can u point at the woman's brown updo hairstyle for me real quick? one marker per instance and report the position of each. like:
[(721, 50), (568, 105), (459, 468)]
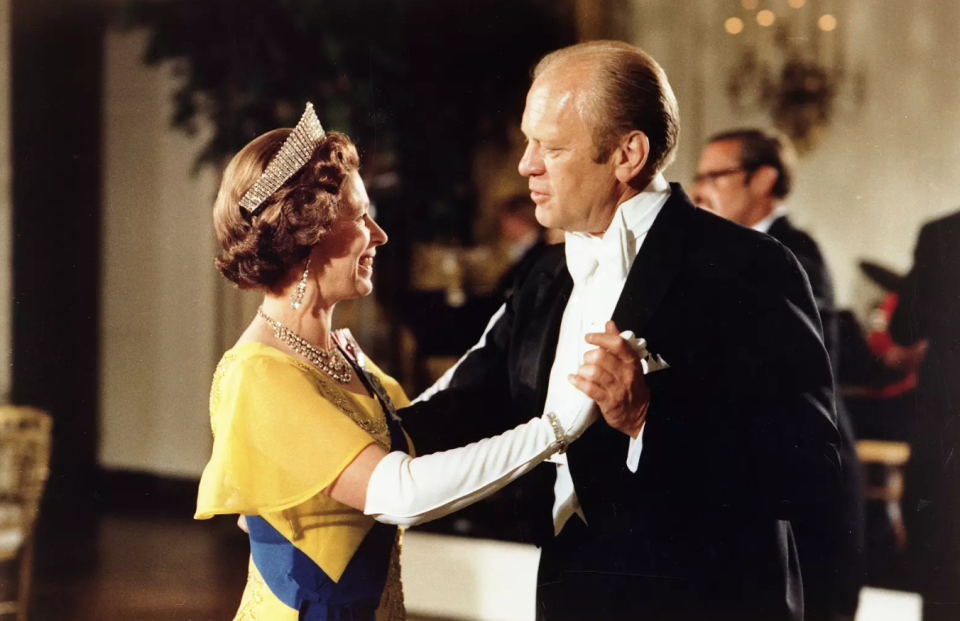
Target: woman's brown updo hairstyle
[(258, 252)]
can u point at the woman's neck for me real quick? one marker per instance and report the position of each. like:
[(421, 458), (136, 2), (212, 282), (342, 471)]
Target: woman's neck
[(310, 322)]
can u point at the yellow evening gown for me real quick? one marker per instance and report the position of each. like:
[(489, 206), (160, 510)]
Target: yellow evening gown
[(283, 431)]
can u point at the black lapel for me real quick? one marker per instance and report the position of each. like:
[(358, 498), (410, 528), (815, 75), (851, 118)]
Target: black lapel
[(543, 298), (656, 265), (602, 449), (542, 328)]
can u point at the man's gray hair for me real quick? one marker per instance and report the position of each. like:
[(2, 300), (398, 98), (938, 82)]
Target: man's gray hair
[(629, 91)]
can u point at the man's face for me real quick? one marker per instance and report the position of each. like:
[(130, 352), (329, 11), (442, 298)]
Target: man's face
[(722, 185), (572, 191)]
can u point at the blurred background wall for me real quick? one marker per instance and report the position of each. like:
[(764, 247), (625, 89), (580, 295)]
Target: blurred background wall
[(158, 300), (887, 162)]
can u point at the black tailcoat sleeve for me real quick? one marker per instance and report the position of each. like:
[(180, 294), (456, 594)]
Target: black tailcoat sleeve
[(477, 402), (502, 381)]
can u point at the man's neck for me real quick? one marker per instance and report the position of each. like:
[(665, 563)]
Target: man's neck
[(763, 224), (628, 191), (761, 210)]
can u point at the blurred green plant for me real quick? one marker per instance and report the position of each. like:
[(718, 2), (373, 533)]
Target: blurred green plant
[(417, 84), (248, 66)]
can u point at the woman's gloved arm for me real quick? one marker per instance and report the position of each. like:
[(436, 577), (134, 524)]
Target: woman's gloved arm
[(398, 489)]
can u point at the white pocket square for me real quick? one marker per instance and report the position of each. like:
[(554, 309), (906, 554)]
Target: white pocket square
[(650, 362), (653, 363)]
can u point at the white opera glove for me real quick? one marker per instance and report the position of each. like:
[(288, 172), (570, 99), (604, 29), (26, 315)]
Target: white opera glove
[(577, 415), (406, 490)]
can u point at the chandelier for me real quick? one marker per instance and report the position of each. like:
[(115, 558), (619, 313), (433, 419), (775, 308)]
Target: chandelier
[(791, 63)]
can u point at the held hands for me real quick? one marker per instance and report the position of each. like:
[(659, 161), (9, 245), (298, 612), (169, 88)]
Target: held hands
[(612, 376)]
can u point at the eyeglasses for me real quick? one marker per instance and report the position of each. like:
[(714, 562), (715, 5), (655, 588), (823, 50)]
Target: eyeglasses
[(712, 176)]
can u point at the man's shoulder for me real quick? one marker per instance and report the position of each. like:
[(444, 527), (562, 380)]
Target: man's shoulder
[(949, 224), (742, 266), (939, 244), (720, 242)]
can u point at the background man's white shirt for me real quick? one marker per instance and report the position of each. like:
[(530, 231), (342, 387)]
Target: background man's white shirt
[(764, 225)]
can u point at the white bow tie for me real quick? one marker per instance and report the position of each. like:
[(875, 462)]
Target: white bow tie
[(586, 253)]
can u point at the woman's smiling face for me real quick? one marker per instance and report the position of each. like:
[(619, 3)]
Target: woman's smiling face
[(344, 257)]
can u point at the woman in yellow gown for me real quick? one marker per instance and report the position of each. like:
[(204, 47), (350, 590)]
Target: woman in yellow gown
[(307, 444)]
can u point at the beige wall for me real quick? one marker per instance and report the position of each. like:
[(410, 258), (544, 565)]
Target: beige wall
[(167, 315), (159, 287), (6, 205), (885, 167)]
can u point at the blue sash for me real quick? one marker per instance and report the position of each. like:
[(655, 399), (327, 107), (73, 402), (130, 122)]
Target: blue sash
[(297, 581)]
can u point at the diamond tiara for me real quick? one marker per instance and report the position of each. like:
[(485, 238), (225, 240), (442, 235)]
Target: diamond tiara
[(296, 151)]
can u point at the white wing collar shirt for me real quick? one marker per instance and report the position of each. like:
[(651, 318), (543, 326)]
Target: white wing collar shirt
[(764, 225), (599, 268)]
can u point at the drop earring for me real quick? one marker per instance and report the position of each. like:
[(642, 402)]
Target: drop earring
[(296, 298)]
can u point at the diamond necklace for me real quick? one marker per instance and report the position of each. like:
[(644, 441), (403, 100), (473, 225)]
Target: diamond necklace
[(330, 362)]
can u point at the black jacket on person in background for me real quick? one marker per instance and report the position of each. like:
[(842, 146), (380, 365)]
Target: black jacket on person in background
[(929, 308)]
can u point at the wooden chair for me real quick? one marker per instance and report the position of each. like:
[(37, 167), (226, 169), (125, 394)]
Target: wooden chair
[(24, 466), (890, 457)]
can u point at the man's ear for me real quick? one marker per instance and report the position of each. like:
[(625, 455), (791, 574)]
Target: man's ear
[(763, 179), (630, 158)]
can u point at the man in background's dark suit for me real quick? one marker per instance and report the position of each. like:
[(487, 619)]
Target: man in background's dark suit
[(929, 308), (744, 175), (733, 425)]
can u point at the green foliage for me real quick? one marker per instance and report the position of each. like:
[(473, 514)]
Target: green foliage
[(416, 83), (248, 66)]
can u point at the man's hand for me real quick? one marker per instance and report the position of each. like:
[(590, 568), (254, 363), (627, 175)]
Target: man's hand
[(612, 376), (242, 523)]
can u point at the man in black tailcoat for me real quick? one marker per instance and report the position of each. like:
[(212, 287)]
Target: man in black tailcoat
[(720, 425)]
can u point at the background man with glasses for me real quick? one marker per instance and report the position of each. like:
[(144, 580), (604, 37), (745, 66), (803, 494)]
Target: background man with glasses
[(744, 176)]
